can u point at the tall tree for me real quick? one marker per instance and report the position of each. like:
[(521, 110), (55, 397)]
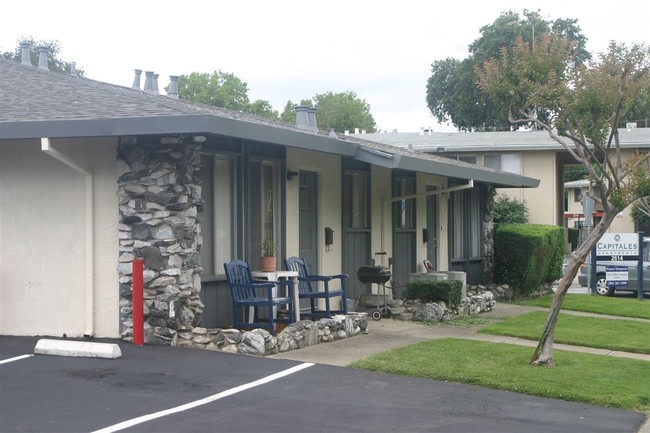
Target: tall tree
[(53, 60), (452, 92), (585, 102), (343, 111), (263, 108), (220, 89)]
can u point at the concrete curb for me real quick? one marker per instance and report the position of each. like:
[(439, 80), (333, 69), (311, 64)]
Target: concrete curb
[(77, 348)]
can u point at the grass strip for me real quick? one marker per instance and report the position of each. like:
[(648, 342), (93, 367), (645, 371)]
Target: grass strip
[(612, 334), (593, 379), (623, 307)]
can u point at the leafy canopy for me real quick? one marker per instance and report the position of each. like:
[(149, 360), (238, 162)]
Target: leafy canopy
[(452, 92)]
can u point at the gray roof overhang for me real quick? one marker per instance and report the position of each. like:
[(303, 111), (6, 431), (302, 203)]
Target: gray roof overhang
[(181, 124), (445, 168)]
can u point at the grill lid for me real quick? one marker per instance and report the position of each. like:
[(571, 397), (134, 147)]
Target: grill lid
[(373, 274)]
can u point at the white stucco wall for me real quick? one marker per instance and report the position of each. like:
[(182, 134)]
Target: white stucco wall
[(42, 239)]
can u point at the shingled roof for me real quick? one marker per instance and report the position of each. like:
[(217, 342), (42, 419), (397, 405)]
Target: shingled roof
[(36, 103)]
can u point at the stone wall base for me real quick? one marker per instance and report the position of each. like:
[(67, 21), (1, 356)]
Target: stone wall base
[(260, 342)]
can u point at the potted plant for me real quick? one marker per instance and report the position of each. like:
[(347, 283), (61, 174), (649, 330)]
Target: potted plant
[(268, 260)]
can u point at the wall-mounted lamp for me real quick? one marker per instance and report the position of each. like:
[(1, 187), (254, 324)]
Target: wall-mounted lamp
[(291, 174)]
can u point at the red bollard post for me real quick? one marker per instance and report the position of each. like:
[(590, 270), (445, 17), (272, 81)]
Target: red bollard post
[(137, 297)]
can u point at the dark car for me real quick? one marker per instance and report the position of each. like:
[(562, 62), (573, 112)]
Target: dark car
[(603, 288)]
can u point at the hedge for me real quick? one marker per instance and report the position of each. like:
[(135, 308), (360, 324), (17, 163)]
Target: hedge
[(528, 256), (447, 291)]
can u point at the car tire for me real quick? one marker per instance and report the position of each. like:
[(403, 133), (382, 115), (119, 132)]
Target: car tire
[(602, 288)]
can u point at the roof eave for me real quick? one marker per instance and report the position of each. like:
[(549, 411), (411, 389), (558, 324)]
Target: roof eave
[(180, 124)]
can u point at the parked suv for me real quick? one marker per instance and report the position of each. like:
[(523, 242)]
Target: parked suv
[(602, 288)]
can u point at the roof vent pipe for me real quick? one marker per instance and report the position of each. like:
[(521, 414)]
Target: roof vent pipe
[(26, 59), (148, 82), (302, 117), (136, 80), (155, 84), (311, 115), (42, 58), (73, 69), (172, 90)]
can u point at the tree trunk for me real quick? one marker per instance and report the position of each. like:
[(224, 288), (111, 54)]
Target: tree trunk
[(543, 354)]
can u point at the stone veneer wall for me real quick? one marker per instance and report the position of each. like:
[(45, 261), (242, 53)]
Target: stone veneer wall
[(488, 235), (159, 194)]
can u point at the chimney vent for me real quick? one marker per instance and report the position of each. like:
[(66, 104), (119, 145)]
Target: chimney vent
[(155, 84), (172, 91), (148, 82), (302, 117), (311, 115), (73, 69), (42, 58), (136, 80), (333, 133), (26, 59)]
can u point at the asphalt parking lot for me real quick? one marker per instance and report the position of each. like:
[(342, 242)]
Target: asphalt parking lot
[(167, 389)]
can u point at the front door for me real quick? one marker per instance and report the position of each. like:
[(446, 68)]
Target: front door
[(356, 217), (404, 235), (431, 237), (308, 219)]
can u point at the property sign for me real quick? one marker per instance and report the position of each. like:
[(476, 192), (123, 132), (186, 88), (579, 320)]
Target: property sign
[(618, 247), (617, 275)]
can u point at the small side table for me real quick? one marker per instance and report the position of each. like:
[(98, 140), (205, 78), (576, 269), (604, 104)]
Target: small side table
[(275, 276)]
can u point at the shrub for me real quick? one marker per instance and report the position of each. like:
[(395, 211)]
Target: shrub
[(528, 255), (447, 291), (509, 211)]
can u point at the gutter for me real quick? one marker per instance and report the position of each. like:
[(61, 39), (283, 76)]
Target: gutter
[(90, 241)]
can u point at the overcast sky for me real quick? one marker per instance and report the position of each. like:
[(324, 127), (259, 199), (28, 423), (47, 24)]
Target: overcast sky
[(292, 50)]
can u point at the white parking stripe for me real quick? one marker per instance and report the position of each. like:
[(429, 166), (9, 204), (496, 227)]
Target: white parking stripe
[(210, 399), (16, 358)]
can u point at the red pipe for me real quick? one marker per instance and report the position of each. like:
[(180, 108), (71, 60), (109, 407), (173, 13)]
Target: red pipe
[(138, 302)]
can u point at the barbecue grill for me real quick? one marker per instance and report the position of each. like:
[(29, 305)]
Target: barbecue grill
[(372, 274)]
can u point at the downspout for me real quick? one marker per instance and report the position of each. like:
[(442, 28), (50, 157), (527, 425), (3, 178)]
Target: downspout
[(384, 202), (90, 242)]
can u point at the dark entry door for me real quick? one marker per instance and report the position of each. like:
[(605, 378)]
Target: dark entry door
[(356, 218), (308, 219), (404, 235), (432, 227)]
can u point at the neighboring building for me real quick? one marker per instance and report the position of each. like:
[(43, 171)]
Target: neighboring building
[(94, 175), (527, 153)]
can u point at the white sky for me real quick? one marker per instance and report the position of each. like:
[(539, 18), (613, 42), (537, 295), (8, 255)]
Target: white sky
[(293, 49)]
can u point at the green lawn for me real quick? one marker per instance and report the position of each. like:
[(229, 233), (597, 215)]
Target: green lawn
[(612, 334), (594, 379), (624, 307)]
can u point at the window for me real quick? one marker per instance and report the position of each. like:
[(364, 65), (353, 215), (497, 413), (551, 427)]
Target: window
[(470, 159), (264, 206), (217, 227), (508, 162), (404, 210), (356, 200)]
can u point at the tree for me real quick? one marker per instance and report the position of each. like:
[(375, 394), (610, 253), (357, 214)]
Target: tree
[(338, 111), (585, 103), (452, 92), (53, 61), (263, 108), (220, 89), (343, 111), (509, 211)]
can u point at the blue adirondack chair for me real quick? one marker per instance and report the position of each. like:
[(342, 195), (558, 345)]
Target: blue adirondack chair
[(246, 292), (307, 290)]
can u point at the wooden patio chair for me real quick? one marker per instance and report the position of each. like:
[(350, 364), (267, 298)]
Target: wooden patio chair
[(246, 292), (307, 290)]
